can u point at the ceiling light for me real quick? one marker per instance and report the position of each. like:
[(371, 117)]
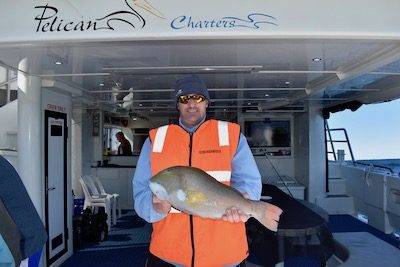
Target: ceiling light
[(140, 105), (287, 82), (58, 63), (151, 110), (267, 95), (224, 109), (249, 103), (101, 84), (316, 59), (134, 118)]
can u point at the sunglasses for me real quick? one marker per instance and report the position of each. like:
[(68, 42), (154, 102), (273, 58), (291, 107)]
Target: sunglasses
[(184, 99)]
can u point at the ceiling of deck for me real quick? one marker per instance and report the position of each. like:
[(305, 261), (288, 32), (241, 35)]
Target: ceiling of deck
[(250, 75)]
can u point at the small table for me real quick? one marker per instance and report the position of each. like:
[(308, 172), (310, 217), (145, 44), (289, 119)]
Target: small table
[(301, 232)]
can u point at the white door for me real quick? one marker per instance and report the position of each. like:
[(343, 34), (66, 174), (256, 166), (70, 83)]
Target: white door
[(55, 185)]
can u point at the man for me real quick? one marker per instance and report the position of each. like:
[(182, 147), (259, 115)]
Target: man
[(125, 147), (217, 147)]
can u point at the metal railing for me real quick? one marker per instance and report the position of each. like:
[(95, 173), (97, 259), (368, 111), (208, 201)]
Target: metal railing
[(329, 140), (375, 166), (10, 77), (347, 141)]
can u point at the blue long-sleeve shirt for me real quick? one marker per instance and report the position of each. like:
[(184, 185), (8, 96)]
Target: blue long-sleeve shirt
[(245, 177)]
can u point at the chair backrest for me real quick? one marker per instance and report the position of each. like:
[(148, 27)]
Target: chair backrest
[(86, 191), (99, 185), (88, 180)]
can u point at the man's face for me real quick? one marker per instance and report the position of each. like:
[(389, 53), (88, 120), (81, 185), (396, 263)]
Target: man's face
[(192, 113)]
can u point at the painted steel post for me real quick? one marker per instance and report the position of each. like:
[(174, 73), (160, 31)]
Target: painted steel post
[(30, 133)]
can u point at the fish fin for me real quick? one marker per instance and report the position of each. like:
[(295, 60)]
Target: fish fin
[(267, 214)]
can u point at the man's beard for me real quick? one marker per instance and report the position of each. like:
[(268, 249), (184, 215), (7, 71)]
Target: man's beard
[(197, 122)]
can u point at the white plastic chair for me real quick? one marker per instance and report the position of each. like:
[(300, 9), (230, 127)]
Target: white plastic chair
[(90, 181), (102, 191), (93, 200)]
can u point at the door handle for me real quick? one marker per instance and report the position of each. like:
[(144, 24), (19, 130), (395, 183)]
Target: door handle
[(51, 189)]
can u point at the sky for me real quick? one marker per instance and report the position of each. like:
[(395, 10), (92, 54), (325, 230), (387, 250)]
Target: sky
[(373, 130)]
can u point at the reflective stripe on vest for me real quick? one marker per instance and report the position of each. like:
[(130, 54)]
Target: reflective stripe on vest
[(223, 134), (160, 139)]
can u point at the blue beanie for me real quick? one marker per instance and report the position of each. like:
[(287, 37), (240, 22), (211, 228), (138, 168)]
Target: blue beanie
[(190, 84)]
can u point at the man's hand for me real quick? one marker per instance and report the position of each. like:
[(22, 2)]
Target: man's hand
[(161, 206), (235, 215)]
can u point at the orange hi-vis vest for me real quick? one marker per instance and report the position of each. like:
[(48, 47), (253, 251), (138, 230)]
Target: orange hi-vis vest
[(190, 240)]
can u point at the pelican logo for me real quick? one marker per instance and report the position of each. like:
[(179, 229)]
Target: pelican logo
[(143, 4), (50, 20)]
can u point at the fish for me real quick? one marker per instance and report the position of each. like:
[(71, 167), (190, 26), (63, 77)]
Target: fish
[(193, 191)]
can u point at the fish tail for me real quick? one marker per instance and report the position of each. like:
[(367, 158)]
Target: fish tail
[(267, 214)]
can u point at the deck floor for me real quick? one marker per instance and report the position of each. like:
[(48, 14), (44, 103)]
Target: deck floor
[(127, 245), (368, 250)]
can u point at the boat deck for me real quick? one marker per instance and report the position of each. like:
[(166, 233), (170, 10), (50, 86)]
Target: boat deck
[(127, 245)]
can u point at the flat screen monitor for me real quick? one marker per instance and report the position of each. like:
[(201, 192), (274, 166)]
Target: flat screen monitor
[(268, 133)]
